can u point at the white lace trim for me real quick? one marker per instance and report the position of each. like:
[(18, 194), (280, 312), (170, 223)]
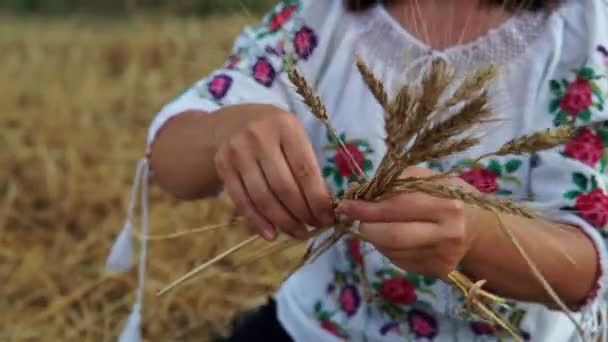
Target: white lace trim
[(381, 37)]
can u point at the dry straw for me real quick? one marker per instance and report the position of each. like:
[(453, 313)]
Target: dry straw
[(413, 120)]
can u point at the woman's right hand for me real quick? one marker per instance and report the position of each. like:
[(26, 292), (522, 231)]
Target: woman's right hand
[(270, 171)]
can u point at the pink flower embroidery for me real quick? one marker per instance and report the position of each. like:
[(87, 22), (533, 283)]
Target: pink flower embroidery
[(263, 72), (422, 324), (350, 300), (219, 86), (305, 42)]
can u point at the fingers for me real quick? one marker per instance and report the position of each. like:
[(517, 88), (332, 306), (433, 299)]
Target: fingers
[(307, 174), (401, 236), (281, 182), (236, 190), (413, 207), (264, 200)]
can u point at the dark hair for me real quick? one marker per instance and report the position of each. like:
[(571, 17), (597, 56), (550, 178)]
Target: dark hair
[(360, 5)]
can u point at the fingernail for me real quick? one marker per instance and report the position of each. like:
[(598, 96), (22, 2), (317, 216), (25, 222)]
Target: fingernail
[(268, 233)]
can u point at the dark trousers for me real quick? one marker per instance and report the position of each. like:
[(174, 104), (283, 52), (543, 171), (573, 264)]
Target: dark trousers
[(261, 324)]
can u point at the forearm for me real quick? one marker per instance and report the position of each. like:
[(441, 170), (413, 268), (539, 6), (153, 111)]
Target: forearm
[(182, 155), (564, 254)]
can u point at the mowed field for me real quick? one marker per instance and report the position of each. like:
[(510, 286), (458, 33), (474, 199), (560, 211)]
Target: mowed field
[(76, 97)]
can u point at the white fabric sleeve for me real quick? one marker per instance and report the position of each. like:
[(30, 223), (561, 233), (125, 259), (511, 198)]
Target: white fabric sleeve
[(255, 70)]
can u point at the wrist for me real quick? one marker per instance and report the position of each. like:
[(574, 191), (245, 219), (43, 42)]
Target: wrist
[(479, 227)]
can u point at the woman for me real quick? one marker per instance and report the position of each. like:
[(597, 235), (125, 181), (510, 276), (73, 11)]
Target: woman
[(276, 162)]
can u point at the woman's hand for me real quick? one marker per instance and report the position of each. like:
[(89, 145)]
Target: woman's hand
[(420, 233), (270, 171)]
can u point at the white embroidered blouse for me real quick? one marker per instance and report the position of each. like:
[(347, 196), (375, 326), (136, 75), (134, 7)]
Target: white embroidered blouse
[(555, 73)]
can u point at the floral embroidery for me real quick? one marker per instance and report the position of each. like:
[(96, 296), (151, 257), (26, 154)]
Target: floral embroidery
[(219, 86), (326, 323), (586, 147), (574, 100), (590, 201), (419, 324), (515, 318), (340, 166), (350, 300), (263, 72), (305, 41), (422, 324), (399, 290), (485, 178), (280, 18)]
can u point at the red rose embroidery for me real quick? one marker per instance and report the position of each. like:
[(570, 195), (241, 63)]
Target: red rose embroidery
[(331, 327), (354, 249), (585, 147), (343, 160), (484, 180), (593, 207), (398, 290), (480, 328), (350, 300), (278, 20), (305, 42), (578, 97)]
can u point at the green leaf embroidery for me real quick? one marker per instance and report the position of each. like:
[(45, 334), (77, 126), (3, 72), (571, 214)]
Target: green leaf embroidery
[(554, 105), (428, 281), (356, 278), (599, 106), (513, 165), (464, 162), (587, 73), (580, 180), (561, 118), (585, 115), (414, 279), (517, 317), (376, 285), (603, 133), (594, 183), (565, 83), (343, 137), (555, 87), (495, 167), (327, 171), (367, 165), (503, 192), (338, 179), (324, 316), (330, 147), (572, 194), (318, 307)]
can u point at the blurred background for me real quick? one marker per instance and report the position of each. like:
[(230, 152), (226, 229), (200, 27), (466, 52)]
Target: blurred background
[(80, 81)]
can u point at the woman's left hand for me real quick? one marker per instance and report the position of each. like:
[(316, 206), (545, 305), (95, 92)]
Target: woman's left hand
[(420, 233)]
